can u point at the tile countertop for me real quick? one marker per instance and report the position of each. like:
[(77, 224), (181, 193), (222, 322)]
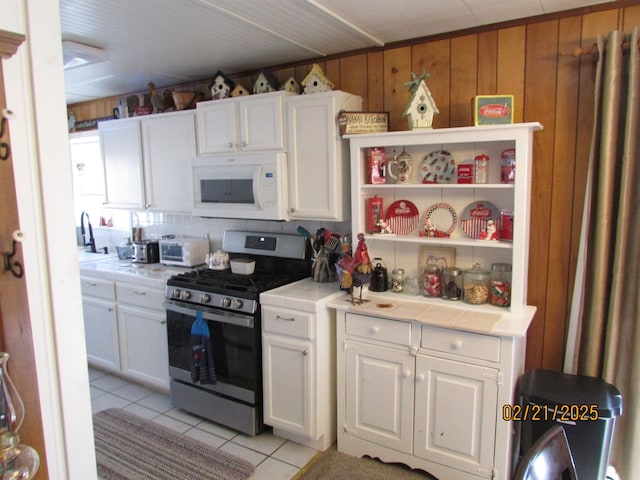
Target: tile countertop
[(110, 267), (305, 295), (458, 315)]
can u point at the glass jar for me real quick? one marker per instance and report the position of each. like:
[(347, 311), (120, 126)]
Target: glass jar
[(397, 280), (481, 169), (432, 281), (452, 283), (500, 291), (476, 285), (508, 166), (412, 286)]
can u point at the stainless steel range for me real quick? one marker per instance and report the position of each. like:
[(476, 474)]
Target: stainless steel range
[(230, 393)]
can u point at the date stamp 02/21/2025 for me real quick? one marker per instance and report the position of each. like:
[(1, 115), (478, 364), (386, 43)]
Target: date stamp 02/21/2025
[(559, 412)]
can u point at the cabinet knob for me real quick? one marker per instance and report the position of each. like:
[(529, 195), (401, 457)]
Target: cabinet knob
[(229, 145), (406, 373), (420, 377), (243, 143), (456, 345), (305, 353), (375, 329), (147, 206)]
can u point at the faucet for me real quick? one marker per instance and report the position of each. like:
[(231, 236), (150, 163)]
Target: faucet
[(92, 241)]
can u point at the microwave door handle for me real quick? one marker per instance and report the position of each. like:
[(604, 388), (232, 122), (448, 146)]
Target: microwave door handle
[(256, 187)]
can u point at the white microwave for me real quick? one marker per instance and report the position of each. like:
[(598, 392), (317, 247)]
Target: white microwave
[(186, 252), (241, 185)]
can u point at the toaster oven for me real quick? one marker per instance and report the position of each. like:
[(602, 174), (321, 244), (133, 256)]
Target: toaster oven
[(185, 252)]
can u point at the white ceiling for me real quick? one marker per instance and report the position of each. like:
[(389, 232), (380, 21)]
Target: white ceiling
[(170, 42)]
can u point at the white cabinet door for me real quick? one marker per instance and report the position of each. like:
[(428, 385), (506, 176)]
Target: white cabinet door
[(261, 122), (318, 162), (379, 395), (246, 124), (168, 146), (122, 158), (455, 414), (101, 333), (216, 126), (143, 345), (289, 385)]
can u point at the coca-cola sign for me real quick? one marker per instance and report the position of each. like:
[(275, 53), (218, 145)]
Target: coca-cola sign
[(495, 111)]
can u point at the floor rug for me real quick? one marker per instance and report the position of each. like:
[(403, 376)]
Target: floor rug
[(334, 465), (131, 448)]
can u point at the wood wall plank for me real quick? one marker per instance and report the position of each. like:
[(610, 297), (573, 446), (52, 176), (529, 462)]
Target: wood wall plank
[(540, 94), (435, 58), (353, 76), (510, 67), (487, 62), (464, 74), (397, 71), (375, 82)]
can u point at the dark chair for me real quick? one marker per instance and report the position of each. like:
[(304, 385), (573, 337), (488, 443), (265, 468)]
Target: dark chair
[(549, 458)]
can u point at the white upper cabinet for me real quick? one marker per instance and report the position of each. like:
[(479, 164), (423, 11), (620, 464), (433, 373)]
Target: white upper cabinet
[(122, 157), (168, 145), (318, 157), (248, 124)]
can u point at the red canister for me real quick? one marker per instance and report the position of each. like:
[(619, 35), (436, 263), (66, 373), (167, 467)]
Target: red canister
[(506, 225)]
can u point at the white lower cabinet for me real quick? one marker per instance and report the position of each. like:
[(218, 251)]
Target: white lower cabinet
[(125, 330), (424, 396), (298, 362), (100, 323), (142, 334)]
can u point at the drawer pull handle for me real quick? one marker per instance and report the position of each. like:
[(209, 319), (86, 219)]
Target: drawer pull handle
[(136, 292), (375, 329), (288, 319), (91, 284), (456, 345), (110, 309)]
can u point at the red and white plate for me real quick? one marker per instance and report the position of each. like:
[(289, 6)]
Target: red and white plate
[(402, 217), (479, 220), (442, 217)]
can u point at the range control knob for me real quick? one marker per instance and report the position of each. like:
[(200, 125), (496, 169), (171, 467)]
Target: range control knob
[(176, 293), (205, 298), (237, 303), (226, 302), (186, 295)]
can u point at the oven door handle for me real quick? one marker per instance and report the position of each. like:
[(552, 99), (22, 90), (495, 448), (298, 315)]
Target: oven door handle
[(207, 314)]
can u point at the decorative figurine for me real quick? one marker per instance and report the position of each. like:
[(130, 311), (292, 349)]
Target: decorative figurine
[(161, 103), (421, 107), (316, 82), (291, 85), (221, 86), (356, 271), (240, 91), (266, 82)]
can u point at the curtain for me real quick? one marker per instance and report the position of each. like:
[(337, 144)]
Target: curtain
[(604, 325)]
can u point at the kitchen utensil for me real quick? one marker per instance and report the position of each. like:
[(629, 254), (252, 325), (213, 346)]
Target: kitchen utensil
[(379, 277)]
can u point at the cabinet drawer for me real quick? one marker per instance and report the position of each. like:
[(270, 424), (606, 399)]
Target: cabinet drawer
[(140, 296), (97, 288), (291, 323), (474, 345), (381, 329)]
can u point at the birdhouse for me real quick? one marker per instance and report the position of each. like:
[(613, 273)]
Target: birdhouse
[(316, 82), (266, 82), (240, 91), (291, 85), (421, 108), (221, 86)]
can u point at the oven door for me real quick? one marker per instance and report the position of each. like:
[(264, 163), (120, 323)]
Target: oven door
[(235, 341)]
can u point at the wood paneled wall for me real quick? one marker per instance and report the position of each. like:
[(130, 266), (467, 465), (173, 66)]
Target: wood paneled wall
[(525, 60)]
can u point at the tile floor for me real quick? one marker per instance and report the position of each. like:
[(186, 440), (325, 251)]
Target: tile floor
[(275, 458)]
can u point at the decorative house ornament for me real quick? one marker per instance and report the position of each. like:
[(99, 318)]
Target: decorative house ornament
[(421, 107), (221, 86), (316, 82), (266, 82), (240, 91), (291, 85)]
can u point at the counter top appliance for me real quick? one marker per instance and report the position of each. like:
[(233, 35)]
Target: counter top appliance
[(230, 305), (185, 252), (147, 251)]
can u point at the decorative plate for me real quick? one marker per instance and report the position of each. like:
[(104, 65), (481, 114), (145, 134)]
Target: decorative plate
[(402, 217), (479, 220), (438, 167), (441, 217)]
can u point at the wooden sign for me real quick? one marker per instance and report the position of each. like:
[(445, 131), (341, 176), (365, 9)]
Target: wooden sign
[(363, 122)]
